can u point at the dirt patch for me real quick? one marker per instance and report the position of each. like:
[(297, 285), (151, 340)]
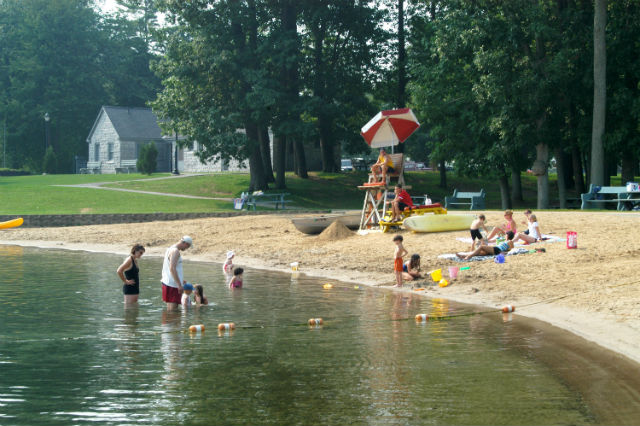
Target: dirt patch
[(336, 231)]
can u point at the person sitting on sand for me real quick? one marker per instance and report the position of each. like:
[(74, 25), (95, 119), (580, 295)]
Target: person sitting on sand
[(533, 235), (383, 166), (501, 230), (401, 201), (526, 213), (411, 268), (483, 250), (474, 229)]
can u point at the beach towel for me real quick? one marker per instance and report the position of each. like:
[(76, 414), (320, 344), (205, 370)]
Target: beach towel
[(545, 239), (452, 256)]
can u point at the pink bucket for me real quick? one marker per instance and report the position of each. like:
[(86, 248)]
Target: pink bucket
[(572, 240), (453, 272)]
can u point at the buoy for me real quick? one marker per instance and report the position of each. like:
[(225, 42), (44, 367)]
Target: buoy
[(327, 285), (443, 283), (226, 326), (509, 308), (422, 317), (315, 321), (196, 328)]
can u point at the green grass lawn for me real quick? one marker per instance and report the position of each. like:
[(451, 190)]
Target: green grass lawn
[(23, 195)]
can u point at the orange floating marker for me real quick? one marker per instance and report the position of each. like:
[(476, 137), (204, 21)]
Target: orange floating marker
[(196, 328), (422, 318), (509, 308), (226, 326), (315, 321)]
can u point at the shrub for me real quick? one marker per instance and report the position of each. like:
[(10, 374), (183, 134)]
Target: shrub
[(50, 162), (147, 159)]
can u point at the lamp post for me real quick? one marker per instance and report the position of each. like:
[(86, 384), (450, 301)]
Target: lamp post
[(175, 156), (46, 131)]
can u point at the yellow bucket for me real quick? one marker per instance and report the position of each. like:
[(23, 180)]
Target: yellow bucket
[(436, 275)]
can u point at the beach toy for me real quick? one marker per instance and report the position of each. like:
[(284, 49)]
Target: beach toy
[(572, 240), (294, 266), (422, 318), (453, 272), (499, 258), (509, 308), (465, 268), (315, 321), (196, 328), (418, 289), (226, 326), (356, 287), (436, 275), (327, 286), (443, 283)]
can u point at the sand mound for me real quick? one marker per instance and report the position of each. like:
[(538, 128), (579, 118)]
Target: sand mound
[(336, 231)]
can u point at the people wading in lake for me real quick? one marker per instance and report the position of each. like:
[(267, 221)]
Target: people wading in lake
[(172, 276), (129, 274)]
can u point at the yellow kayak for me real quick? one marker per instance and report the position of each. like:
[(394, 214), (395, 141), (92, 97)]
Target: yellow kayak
[(11, 223), (438, 222)]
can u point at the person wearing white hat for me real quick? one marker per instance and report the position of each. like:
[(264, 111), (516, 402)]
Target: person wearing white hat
[(172, 276), (227, 266)]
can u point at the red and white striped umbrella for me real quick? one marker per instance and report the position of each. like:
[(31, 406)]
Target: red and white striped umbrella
[(390, 127)]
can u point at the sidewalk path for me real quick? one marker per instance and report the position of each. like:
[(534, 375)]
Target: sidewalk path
[(98, 185)]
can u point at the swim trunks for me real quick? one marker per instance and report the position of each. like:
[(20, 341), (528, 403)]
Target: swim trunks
[(475, 233), (171, 294), (397, 265)]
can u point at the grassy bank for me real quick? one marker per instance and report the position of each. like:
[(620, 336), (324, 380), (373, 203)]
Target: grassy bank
[(23, 195)]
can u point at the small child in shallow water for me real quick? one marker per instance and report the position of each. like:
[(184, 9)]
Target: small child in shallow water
[(236, 280)]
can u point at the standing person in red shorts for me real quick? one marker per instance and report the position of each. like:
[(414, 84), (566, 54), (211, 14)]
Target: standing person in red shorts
[(172, 276), (398, 254)]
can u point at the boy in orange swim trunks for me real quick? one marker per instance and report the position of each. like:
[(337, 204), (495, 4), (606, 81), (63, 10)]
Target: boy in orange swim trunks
[(398, 254)]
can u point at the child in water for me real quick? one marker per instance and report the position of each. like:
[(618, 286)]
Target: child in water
[(227, 267), (236, 281), (398, 254), (187, 289), (199, 296)]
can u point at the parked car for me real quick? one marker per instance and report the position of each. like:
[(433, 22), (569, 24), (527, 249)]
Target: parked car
[(346, 165), (421, 166)]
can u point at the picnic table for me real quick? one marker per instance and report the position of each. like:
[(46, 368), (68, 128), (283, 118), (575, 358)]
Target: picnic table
[(598, 197), (275, 199)]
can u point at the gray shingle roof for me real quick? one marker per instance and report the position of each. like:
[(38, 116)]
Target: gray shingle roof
[(134, 123)]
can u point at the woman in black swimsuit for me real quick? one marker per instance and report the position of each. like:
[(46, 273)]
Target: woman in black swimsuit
[(129, 274)]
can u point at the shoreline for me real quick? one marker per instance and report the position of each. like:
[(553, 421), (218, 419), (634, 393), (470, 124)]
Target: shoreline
[(589, 292)]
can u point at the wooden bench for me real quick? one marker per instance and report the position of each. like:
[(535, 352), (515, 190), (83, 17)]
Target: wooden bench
[(598, 197), (276, 200), (398, 169), (473, 199)]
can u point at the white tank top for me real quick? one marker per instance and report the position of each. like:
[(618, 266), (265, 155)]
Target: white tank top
[(167, 278), (533, 230)]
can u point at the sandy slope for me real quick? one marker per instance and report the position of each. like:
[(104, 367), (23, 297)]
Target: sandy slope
[(599, 279)]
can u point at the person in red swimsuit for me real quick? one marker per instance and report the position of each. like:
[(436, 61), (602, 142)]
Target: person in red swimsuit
[(398, 254)]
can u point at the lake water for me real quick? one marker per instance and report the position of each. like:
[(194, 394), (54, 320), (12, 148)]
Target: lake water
[(71, 353)]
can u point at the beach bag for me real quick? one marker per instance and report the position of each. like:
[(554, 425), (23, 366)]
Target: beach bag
[(572, 240), (238, 203)]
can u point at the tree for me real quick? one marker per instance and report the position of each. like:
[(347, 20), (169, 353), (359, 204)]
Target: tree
[(50, 162), (147, 159), (599, 91)]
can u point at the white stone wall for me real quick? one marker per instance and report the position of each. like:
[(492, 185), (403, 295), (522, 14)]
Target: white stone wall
[(103, 135)]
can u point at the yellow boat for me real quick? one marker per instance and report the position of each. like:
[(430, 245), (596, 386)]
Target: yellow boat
[(11, 223), (438, 222)]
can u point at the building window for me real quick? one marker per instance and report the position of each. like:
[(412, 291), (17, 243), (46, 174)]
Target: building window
[(109, 151), (96, 152)]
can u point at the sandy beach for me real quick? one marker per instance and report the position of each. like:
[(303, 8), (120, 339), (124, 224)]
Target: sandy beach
[(592, 291)]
